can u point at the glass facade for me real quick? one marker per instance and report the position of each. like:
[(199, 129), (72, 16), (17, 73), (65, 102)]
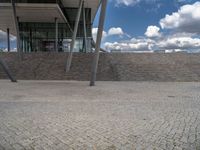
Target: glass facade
[(38, 36)]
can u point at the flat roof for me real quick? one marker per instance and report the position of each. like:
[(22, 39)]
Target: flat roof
[(39, 12), (29, 13)]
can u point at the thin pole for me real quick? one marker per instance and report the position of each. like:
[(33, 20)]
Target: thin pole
[(98, 42), (31, 41), (56, 34), (16, 22), (69, 60), (7, 71), (8, 39), (85, 30)]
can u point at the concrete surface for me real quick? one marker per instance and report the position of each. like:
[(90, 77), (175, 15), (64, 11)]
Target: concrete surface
[(113, 115)]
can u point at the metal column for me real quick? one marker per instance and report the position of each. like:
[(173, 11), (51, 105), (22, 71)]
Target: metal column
[(31, 41), (16, 19), (56, 34), (98, 42), (69, 60), (8, 39), (84, 28), (7, 71)]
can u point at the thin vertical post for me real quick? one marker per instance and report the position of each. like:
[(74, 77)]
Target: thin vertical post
[(69, 60), (84, 28), (56, 34), (98, 42), (31, 41), (16, 22), (8, 39), (7, 70)]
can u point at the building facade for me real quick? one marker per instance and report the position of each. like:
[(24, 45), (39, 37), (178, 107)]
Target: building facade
[(49, 25), (54, 25)]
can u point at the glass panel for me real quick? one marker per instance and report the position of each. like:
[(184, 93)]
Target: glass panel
[(41, 37)]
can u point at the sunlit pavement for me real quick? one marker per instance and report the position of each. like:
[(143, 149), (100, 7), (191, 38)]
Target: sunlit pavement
[(112, 115)]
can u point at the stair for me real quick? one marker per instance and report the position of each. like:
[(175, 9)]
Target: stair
[(112, 67), (51, 66)]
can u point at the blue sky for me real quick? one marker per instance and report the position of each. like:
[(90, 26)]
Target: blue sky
[(148, 25), (133, 17)]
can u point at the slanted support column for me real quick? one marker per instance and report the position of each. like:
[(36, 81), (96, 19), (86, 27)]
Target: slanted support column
[(16, 22), (98, 42), (84, 28), (69, 60), (7, 71), (8, 39), (56, 34)]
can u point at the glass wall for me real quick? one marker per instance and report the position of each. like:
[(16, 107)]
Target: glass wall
[(41, 36)]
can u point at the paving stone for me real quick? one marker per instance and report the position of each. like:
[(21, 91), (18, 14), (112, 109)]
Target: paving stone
[(55, 115)]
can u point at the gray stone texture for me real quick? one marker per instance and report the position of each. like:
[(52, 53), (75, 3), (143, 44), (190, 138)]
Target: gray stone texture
[(70, 115), (112, 67)]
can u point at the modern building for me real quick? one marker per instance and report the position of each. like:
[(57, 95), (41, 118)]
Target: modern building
[(53, 25), (48, 25)]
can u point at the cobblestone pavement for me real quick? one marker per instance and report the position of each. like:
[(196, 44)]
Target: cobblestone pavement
[(47, 115)]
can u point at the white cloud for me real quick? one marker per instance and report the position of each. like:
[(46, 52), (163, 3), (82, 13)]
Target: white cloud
[(2, 36), (180, 43), (186, 19), (127, 2), (131, 45), (184, 27), (152, 31), (3, 40), (169, 43), (94, 34), (134, 2), (180, 1), (115, 31)]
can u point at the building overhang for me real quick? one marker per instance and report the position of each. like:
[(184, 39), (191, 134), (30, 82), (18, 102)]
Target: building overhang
[(40, 12), (29, 13), (93, 4)]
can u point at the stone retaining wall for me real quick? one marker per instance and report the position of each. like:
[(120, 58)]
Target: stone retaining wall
[(112, 67)]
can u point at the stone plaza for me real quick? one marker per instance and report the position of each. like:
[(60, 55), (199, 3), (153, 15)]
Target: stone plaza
[(70, 115)]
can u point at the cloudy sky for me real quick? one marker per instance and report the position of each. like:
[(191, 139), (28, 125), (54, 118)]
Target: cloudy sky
[(3, 40), (148, 25)]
